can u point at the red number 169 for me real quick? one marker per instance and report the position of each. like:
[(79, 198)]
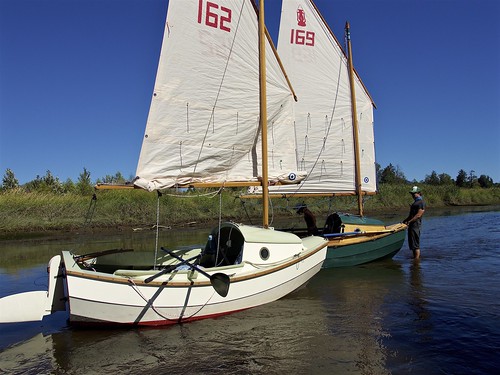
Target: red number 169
[(302, 37)]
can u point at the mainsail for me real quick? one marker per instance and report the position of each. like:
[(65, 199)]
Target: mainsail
[(318, 71), (203, 124)]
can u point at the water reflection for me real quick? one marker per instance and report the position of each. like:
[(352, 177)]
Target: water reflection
[(274, 338), (419, 304), (358, 302), (34, 356)]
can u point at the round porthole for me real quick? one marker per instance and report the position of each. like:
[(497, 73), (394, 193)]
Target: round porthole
[(264, 253)]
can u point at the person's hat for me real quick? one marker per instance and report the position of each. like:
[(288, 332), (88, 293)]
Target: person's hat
[(414, 190), (299, 206)]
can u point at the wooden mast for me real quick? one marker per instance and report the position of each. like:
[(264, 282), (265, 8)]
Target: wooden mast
[(355, 128), (263, 115)]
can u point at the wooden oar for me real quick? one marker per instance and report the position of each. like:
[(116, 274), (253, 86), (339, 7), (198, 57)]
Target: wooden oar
[(220, 281), (360, 233), (170, 269), (85, 257)]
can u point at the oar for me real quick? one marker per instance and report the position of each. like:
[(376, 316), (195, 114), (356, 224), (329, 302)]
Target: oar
[(82, 258), (220, 281), (169, 269), (364, 233), (344, 234)]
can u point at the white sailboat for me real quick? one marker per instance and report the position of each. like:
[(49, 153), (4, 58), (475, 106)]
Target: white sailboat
[(208, 118), (333, 125)]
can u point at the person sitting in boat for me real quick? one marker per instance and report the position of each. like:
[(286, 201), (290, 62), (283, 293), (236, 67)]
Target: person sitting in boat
[(207, 259), (333, 224), (309, 218)]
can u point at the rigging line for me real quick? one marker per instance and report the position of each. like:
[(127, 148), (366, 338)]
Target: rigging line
[(243, 203), (220, 87), (327, 131), (330, 206), (208, 194), (226, 245), (154, 308), (201, 307), (271, 209), (296, 148), (273, 264), (90, 212), (219, 228), (151, 306)]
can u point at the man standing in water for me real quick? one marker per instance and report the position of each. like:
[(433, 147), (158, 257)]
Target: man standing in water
[(414, 221)]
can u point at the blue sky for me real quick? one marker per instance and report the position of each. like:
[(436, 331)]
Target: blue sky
[(76, 79)]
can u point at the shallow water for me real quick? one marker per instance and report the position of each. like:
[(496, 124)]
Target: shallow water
[(437, 316)]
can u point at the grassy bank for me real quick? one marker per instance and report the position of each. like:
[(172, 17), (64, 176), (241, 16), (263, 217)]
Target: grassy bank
[(22, 212)]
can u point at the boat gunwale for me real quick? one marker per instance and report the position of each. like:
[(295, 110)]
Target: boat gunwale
[(362, 237), (100, 276)]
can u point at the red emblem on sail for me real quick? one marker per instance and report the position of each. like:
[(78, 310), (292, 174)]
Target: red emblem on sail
[(301, 17)]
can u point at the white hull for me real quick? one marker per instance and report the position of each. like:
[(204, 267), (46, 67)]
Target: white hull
[(94, 301), (124, 297)]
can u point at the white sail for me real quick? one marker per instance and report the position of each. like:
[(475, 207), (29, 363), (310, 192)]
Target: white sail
[(203, 124), (318, 71)]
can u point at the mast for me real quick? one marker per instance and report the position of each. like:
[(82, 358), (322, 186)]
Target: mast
[(355, 129), (263, 115)]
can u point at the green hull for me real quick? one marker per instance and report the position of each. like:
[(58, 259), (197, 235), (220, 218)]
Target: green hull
[(365, 252)]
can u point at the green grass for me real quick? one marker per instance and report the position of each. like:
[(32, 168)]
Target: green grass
[(23, 212)]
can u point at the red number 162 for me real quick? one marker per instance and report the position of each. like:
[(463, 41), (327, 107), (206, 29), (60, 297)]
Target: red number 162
[(220, 20)]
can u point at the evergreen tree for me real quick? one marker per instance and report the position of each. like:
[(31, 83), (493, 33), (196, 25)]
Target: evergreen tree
[(432, 179), (485, 181), (45, 184), (445, 179), (472, 179), (392, 175), (461, 180), (68, 186), (378, 171), (9, 181), (84, 185)]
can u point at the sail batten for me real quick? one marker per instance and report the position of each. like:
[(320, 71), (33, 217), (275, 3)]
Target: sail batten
[(203, 122)]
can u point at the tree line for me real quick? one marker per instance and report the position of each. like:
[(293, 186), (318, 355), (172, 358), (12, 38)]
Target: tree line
[(394, 175), (51, 184), (84, 185)]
